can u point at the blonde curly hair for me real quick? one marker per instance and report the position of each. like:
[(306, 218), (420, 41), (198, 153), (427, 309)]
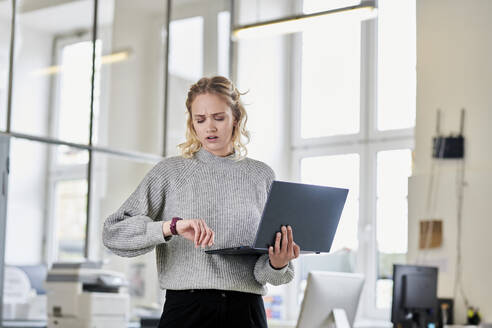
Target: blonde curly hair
[(224, 88)]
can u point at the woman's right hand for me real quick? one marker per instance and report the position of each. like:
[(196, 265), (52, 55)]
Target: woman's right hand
[(197, 231)]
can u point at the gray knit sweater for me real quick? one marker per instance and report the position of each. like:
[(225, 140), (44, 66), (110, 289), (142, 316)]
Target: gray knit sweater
[(229, 195)]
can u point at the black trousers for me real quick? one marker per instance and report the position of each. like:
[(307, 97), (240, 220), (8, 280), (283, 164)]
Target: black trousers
[(212, 308)]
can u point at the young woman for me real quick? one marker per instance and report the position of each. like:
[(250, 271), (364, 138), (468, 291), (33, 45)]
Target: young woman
[(210, 196)]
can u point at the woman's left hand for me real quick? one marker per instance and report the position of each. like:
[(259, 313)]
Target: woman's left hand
[(285, 249)]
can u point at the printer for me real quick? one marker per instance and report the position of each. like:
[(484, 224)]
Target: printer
[(82, 295)]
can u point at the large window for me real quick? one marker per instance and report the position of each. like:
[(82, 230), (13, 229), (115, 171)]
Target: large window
[(340, 171), (393, 171), (330, 84), (396, 65), (353, 127)]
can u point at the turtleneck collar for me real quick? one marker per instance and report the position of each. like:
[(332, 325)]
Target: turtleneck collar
[(207, 157)]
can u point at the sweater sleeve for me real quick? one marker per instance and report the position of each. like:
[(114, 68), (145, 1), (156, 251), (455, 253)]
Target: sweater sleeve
[(263, 271), (136, 228)]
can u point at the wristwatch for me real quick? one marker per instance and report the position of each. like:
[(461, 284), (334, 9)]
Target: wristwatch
[(172, 226)]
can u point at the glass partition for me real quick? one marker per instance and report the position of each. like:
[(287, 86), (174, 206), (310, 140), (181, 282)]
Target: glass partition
[(48, 196), (185, 68), (52, 69), (113, 180), (46, 221), (129, 92), (198, 46)]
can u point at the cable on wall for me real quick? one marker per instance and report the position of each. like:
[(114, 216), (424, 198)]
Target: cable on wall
[(460, 188)]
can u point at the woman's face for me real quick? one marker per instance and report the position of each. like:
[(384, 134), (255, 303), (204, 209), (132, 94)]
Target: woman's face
[(213, 123)]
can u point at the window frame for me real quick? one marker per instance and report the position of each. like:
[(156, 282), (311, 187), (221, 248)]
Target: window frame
[(367, 143)]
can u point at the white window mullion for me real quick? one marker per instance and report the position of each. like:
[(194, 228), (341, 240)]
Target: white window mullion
[(367, 232), (296, 92), (368, 79), (372, 267), (367, 216)]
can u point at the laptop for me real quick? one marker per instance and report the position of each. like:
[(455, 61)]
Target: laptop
[(312, 211)]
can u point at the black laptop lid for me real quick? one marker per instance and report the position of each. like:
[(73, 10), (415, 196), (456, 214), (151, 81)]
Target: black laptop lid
[(312, 211)]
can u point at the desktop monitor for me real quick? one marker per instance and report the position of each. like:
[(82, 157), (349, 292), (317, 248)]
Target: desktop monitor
[(414, 296), (327, 291)]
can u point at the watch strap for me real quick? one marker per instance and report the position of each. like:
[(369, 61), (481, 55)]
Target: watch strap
[(172, 226)]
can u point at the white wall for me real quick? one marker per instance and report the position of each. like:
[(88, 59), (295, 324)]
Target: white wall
[(454, 70)]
